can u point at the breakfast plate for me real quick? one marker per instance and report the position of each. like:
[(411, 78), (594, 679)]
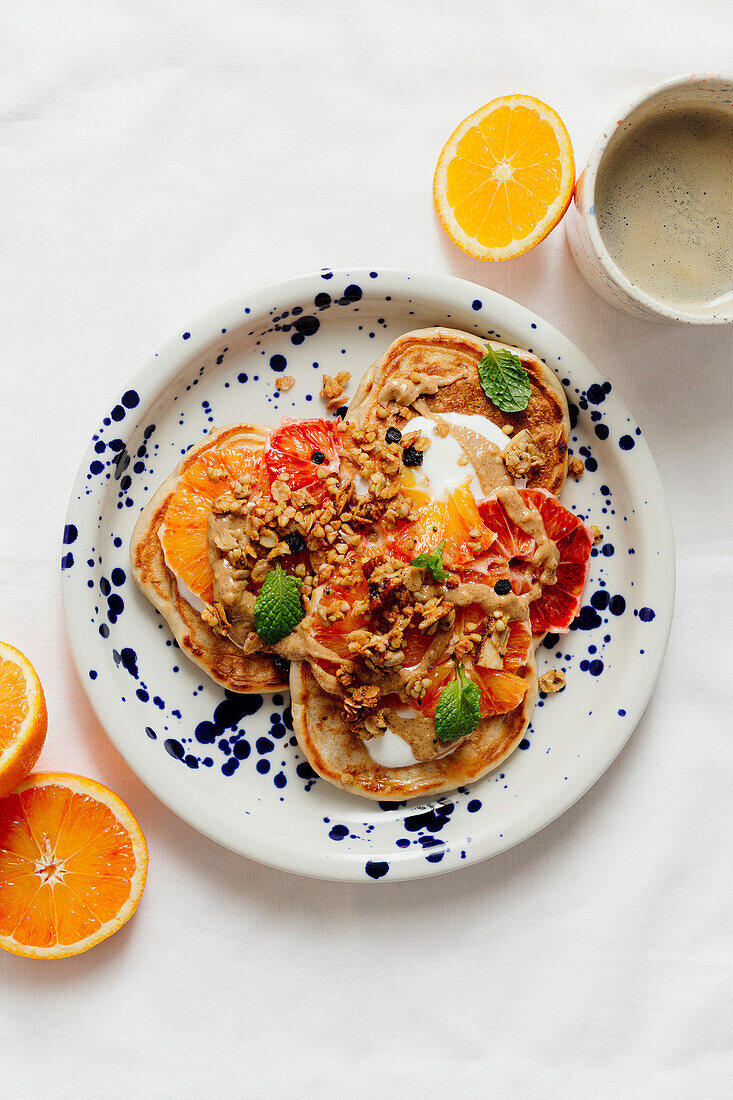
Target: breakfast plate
[(230, 764)]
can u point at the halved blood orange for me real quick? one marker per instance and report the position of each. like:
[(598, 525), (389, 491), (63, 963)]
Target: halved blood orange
[(301, 448), (73, 863), (560, 602), (183, 532), (23, 717)]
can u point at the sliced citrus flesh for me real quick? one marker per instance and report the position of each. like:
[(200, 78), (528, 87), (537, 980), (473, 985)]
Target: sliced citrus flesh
[(23, 717), (304, 449), (513, 551), (457, 521), (501, 692), (73, 863), (183, 534), (504, 178), (335, 635)]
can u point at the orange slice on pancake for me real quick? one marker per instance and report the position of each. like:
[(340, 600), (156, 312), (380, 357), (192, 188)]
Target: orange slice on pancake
[(511, 555), (456, 520), (183, 532)]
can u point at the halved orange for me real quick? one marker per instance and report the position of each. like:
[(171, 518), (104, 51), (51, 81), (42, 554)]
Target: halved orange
[(23, 717), (504, 178), (73, 863)]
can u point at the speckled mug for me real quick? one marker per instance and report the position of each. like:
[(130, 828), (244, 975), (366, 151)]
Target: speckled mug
[(589, 252)]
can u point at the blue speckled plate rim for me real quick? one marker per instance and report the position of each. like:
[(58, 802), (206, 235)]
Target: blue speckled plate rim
[(150, 381)]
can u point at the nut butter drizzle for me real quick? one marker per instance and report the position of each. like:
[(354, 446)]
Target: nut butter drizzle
[(405, 390)]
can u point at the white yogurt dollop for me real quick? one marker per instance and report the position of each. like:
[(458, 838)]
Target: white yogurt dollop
[(390, 751), (440, 473), (440, 464)]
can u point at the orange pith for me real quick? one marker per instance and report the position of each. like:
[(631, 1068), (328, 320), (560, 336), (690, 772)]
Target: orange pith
[(73, 863), (183, 534), (23, 717), (504, 178)]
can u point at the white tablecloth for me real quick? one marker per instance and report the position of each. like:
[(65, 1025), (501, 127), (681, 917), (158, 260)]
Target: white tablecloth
[(156, 159)]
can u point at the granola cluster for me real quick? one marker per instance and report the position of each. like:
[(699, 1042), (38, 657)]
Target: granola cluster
[(522, 455), (332, 390), (552, 681)]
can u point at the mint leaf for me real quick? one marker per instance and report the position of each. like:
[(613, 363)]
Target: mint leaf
[(433, 562), (504, 380), (458, 712), (278, 607)]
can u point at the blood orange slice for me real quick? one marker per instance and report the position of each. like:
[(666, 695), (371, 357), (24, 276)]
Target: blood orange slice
[(440, 676), (302, 448), (560, 602), (519, 646), (501, 691)]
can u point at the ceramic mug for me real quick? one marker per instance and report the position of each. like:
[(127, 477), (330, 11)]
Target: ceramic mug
[(589, 251)]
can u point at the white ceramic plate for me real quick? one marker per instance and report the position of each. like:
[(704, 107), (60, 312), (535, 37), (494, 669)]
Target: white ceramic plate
[(228, 764)]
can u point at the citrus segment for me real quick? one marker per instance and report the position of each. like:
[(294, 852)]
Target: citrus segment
[(183, 537), (504, 178), (73, 863), (23, 717)]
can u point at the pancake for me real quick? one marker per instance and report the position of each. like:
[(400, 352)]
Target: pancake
[(337, 753), (217, 656), (450, 355)]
